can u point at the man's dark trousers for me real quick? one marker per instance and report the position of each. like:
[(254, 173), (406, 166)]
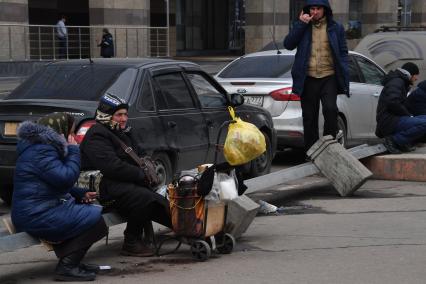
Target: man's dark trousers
[(316, 90), (409, 130)]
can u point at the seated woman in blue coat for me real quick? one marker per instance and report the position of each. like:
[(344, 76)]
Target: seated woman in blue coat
[(45, 202)]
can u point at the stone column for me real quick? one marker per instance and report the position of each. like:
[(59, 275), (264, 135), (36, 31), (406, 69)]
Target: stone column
[(128, 22), (340, 11), (260, 23), (377, 13), (418, 14), (14, 36)]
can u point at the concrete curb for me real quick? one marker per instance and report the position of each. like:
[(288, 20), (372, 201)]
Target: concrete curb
[(407, 167), (403, 167)]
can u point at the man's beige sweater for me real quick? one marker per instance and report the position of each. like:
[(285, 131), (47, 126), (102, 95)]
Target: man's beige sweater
[(321, 62)]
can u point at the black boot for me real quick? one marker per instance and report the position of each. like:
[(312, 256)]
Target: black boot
[(90, 267), (134, 246), (69, 269)]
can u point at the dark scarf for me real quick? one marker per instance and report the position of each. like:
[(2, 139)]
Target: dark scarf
[(106, 119)]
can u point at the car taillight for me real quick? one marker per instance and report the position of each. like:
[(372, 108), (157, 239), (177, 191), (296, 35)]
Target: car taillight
[(79, 136), (284, 94)]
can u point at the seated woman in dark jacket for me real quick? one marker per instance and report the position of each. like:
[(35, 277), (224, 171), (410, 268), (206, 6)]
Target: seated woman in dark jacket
[(45, 202), (123, 182)]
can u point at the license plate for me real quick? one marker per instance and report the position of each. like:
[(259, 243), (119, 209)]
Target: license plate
[(10, 128), (254, 100)]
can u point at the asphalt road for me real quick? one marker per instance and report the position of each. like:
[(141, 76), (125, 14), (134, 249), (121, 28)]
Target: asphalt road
[(377, 236)]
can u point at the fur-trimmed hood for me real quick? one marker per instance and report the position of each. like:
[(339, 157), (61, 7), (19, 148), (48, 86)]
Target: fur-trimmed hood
[(31, 133)]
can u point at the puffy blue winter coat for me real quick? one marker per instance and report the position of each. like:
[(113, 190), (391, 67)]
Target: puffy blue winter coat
[(43, 203), (300, 37)]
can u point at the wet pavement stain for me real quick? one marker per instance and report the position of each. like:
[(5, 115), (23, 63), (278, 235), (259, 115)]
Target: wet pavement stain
[(149, 266), (172, 261)]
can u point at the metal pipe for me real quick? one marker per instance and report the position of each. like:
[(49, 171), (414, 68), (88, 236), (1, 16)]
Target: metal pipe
[(39, 44), (168, 27), (10, 44), (115, 45), (26, 43), (274, 21), (127, 46), (79, 40), (137, 43), (54, 43)]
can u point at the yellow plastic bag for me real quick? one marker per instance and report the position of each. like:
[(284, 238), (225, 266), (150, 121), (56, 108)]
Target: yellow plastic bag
[(244, 141)]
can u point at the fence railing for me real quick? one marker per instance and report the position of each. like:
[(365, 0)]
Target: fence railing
[(39, 42)]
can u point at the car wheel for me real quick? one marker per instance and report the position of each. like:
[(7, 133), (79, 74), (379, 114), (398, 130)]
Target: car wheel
[(164, 167), (6, 192), (342, 134), (262, 164)]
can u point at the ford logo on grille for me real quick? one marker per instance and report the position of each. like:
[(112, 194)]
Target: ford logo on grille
[(241, 91)]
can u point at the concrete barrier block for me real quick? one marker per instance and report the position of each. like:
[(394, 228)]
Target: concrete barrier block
[(240, 214), (342, 169)]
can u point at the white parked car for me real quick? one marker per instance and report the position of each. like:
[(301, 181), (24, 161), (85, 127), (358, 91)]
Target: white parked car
[(264, 78)]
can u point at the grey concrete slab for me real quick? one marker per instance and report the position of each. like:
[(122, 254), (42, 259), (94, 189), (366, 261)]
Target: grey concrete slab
[(265, 182)]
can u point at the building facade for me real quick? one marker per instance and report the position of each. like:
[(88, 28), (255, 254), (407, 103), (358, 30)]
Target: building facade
[(196, 27)]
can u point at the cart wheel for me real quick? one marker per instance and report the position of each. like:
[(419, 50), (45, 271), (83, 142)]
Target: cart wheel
[(228, 244), (200, 250)]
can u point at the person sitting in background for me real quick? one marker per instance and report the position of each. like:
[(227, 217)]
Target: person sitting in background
[(45, 202), (399, 128), (416, 101), (124, 185)]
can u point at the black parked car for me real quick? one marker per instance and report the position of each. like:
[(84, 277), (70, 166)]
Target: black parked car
[(176, 110)]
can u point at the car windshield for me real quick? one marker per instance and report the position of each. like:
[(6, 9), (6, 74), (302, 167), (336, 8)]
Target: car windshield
[(271, 66), (74, 82)]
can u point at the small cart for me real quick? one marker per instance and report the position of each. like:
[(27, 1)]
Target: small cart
[(199, 223)]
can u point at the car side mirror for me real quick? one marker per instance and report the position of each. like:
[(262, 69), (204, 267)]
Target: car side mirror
[(236, 99)]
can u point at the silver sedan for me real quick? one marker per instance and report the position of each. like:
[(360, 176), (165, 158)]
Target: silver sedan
[(264, 78)]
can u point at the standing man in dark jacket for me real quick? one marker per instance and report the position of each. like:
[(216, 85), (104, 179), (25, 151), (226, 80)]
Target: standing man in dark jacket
[(106, 44), (320, 69), (394, 122)]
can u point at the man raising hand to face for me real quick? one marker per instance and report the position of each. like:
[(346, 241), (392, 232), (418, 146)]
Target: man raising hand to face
[(320, 69)]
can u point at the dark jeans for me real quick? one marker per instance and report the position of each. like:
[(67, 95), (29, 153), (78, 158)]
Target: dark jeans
[(409, 130), (82, 241), (62, 47), (153, 212), (318, 90)]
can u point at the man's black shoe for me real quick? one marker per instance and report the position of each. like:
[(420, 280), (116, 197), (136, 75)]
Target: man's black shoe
[(391, 146), (406, 148)]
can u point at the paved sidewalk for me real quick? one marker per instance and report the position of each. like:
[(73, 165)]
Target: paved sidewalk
[(376, 236)]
